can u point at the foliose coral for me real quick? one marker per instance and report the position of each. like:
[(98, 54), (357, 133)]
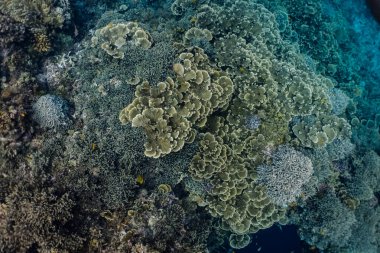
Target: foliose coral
[(318, 132), (114, 38), (287, 174), (194, 34), (242, 204), (239, 241), (169, 111)]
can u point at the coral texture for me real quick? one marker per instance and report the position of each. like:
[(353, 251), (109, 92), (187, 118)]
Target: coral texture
[(51, 112), (113, 38), (169, 111), (287, 174)]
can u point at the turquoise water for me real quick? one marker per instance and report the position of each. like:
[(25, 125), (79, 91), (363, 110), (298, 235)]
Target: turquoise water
[(189, 126)]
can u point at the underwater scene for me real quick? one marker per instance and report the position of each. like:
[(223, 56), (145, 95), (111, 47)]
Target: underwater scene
[(190, 126)]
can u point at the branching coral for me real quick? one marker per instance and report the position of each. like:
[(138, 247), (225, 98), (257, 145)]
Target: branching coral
[(284, 179), (10, 31), (366, 177), (326, 222), (157, 223), (47, 218)]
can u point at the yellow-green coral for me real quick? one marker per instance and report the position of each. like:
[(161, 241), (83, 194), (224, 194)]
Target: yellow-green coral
[(170, 111), (195, 33), (113, 38), (34, 13), (275, 92), (317, 132), (234, 195), (41, 43)]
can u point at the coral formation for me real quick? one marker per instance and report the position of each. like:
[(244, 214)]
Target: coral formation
[(113, 38), (239, 241), (155, 223), (326, 222), (37, 13), (365, 181), (339, 101), (238, 115), (10, 31), (169, 111), (284, 178), (51, 111), (340, 149), (47, 216), (195, 34), (234, 196), (318, 132), (42, 43)]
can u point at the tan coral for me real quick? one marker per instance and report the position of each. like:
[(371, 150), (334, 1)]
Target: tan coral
[(170, 111), (195, 33), (113, 38)]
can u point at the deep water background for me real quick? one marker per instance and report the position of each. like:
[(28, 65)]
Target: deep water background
[(276, 239)]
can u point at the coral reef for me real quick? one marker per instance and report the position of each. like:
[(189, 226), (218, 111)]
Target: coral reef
[(187, 126)]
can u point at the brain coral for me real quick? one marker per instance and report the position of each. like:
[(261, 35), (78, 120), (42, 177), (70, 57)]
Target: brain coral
[(51, 112), (284, 179)]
